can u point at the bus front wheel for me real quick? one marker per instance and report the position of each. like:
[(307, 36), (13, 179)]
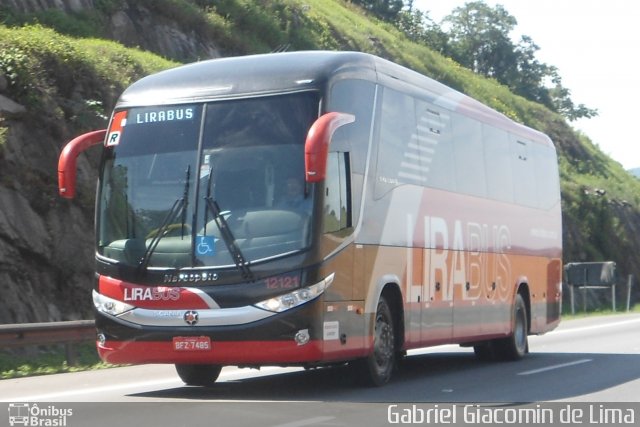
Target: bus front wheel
[(376, 369), (199, 375)]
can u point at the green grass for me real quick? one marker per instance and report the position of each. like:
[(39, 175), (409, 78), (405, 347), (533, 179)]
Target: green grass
[(3, 134), (48, 360), (579, 314), (66, 78)]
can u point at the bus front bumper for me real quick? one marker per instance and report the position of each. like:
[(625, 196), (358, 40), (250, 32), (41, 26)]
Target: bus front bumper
[(296, 337)]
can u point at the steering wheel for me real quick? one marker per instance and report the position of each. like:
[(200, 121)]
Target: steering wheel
[(171, 230)]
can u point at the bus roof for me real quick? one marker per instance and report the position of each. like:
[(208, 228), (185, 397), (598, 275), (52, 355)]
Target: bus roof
[(244, 76), (264, 74)]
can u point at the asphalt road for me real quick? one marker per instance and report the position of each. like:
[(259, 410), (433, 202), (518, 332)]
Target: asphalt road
[(586, 360)]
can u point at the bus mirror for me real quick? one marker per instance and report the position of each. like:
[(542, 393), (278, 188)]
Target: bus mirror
[(68, 157), (316, 148)]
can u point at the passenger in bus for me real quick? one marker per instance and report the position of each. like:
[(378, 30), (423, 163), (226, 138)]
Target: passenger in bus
[(293, 198)]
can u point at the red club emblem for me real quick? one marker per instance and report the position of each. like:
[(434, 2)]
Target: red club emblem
[(191, 317)]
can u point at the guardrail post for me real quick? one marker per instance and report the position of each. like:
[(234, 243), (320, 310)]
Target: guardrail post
[(70, 354), (629, 284)]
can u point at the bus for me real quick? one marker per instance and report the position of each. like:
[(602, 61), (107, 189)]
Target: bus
[(312, 209)]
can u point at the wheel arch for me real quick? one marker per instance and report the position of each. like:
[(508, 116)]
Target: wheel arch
[(524, 291), (391, 292), (389, 287)]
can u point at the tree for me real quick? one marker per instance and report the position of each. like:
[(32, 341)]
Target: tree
[(387, 10), (418, 26), (528, 76), (479, 39), (563, 104)]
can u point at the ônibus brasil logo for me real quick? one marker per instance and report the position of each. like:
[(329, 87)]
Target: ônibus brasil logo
[(27, 414)]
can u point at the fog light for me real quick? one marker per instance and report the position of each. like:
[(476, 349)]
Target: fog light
[(302, 337), (102, 339)]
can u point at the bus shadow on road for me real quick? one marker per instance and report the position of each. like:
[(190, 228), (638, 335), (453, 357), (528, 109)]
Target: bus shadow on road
[(445, 377)]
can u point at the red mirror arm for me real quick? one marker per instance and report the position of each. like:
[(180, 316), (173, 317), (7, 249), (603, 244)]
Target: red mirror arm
[(316, 147), (68, 158)]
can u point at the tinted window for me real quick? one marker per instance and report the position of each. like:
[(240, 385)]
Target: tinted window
[(397, 161), (469, 155), (435, 145), (522, 164), (355, 97), (337, 212), (423, 144), (546, 173), (497, 161), (165, 170), (154, 130)]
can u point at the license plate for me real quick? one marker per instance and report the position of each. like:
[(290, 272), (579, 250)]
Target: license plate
[(191, 343)]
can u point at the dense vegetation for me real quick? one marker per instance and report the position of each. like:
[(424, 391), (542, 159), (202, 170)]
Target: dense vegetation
[(41, 66), (601, 201), (478, 37)]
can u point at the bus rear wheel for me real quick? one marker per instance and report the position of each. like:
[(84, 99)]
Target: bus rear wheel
[(376, 369), (516, 346), (199, 375)]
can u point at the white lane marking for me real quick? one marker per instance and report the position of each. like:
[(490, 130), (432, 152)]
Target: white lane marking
[(550, 368), (232, 373), (306, 422), (93, 390)]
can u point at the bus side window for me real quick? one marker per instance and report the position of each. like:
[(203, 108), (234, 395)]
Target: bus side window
[(337, 193), (546, 176), (524, 179), (497, 164)]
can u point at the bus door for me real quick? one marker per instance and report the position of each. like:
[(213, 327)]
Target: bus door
[(437, 307), (470, 306), (413, 294)]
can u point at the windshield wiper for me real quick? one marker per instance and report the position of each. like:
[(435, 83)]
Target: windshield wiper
[(179, 207), (228, 238)]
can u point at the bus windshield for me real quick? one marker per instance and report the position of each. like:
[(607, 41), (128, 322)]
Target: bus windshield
[(196, 185)]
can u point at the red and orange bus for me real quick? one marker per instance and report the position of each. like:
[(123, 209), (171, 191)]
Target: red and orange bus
[(311, 208)]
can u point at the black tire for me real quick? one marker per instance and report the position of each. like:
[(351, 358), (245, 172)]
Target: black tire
[(516, 346), (199, 375), (376, 369)]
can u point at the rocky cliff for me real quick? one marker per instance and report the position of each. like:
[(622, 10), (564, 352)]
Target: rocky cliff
[(46, 259), (140, 24), (46, 243)]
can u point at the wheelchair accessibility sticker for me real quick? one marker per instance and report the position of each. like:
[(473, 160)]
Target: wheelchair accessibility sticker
[(205, 245)]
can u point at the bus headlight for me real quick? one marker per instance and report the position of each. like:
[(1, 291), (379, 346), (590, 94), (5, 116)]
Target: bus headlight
[(109, 305), (297, 297)]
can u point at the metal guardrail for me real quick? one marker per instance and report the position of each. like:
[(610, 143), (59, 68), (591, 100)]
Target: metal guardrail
[(590, 275), (67, 333), (594, 275)]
